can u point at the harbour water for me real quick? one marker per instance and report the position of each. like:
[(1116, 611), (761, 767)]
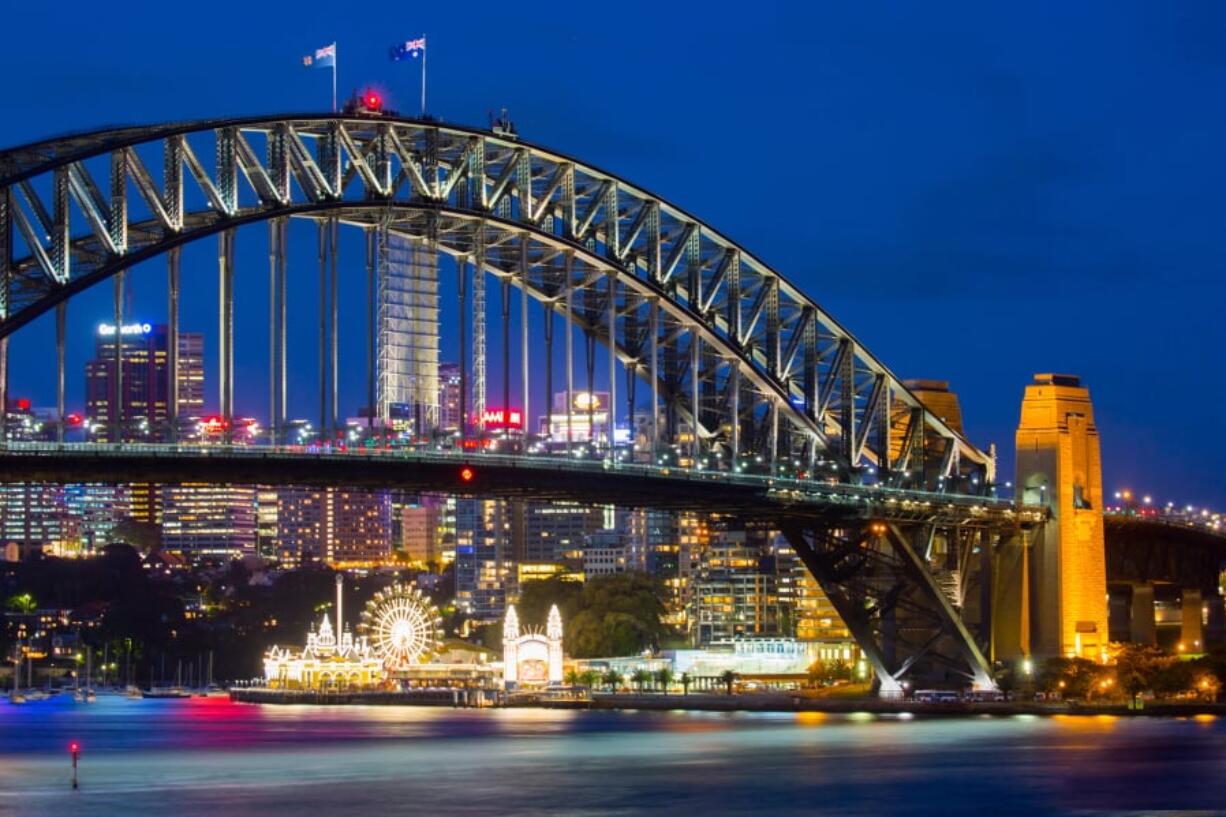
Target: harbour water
[(213, 757)]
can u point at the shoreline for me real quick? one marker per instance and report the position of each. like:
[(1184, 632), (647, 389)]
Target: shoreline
[(697, 702)]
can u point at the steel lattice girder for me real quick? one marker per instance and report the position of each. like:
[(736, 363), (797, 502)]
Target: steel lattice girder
[(888, 595), (814, 390)]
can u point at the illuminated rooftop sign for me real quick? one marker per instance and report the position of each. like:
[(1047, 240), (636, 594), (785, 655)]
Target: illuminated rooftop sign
[(502, 418), (107, 330)]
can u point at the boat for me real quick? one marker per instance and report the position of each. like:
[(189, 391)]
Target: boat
[(16, 698), (166, 692), (133, 692)]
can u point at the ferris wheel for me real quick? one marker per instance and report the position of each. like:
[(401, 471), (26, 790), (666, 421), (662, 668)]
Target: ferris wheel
[(402, 626)]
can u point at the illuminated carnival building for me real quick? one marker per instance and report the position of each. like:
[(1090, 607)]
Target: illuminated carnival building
[(331, 660), (531, 658)]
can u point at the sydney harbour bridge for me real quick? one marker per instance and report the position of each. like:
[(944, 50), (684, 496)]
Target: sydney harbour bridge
[(757, 402)]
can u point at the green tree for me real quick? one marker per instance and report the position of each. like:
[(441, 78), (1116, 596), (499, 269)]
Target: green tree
[(612, 615), (1071, 677), (21, 603), (640, 678), (612, 679), (1174, 678), (1137, 667), (573, 678), (664, 677), (728, 677), (536, 597), (686, 680), (589, 678)]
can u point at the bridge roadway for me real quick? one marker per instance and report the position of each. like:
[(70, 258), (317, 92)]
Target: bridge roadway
[(506, 476)]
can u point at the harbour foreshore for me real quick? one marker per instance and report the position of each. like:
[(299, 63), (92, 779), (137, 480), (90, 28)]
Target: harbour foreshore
[(701, 702)]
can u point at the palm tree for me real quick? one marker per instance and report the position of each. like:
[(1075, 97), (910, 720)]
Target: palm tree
[(612, 679), (686, 680), (573, 678), (729, 678), (589, 678), (664, 677), (640, 677)]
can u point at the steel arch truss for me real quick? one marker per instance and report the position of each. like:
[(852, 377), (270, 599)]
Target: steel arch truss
[(746, 367), (900, 589)]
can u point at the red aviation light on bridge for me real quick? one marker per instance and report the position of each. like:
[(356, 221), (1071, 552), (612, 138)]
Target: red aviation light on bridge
[(372, 101), (467, 474), (74, 420)]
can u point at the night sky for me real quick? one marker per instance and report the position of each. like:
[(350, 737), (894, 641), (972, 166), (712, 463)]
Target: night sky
[(978, 193)]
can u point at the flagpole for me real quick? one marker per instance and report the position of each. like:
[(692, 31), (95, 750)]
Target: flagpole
[(423, 75), (334, 79)]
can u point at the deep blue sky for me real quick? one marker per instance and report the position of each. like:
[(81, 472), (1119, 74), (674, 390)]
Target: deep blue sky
[(978, 191)]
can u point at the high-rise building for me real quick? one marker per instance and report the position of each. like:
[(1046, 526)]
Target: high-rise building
[(143, 405), (333, 525), (98, 509), (736, 590), (302, 522), (483, 563), (421, 530), (209, 522), (407, 315), (450, 411), (361, 527), (557, 531), (605, 553), (266, 522), (34, 518)]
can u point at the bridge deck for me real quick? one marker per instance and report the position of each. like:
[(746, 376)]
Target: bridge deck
[(500, 475)]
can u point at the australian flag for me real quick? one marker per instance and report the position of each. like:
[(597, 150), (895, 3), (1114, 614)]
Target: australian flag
[(324, 57), (409, 48)]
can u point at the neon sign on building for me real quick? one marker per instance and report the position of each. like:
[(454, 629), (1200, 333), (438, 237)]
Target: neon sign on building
[(106, 330)]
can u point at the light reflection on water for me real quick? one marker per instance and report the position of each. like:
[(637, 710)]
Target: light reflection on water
[(210, 756)]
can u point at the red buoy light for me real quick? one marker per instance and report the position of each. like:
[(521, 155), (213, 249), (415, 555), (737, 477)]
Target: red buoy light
[(467, 474), (74, 747)]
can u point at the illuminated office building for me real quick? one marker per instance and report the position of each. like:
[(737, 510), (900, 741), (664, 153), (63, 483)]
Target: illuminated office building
[(266, 522), (421, 525), (144, 402), (450, 411), (333, 525), (97, 509), (582, 419), (556, 531), (34, 518), (483, 557), (209, 522)]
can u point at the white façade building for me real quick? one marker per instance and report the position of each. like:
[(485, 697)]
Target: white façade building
[(531, 658)]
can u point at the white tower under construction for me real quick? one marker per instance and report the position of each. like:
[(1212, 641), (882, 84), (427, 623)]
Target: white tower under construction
[(408, 343)]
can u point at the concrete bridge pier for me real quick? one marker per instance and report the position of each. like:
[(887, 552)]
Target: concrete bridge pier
[(1192, 628), (1215, 627), (1141, 626)]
